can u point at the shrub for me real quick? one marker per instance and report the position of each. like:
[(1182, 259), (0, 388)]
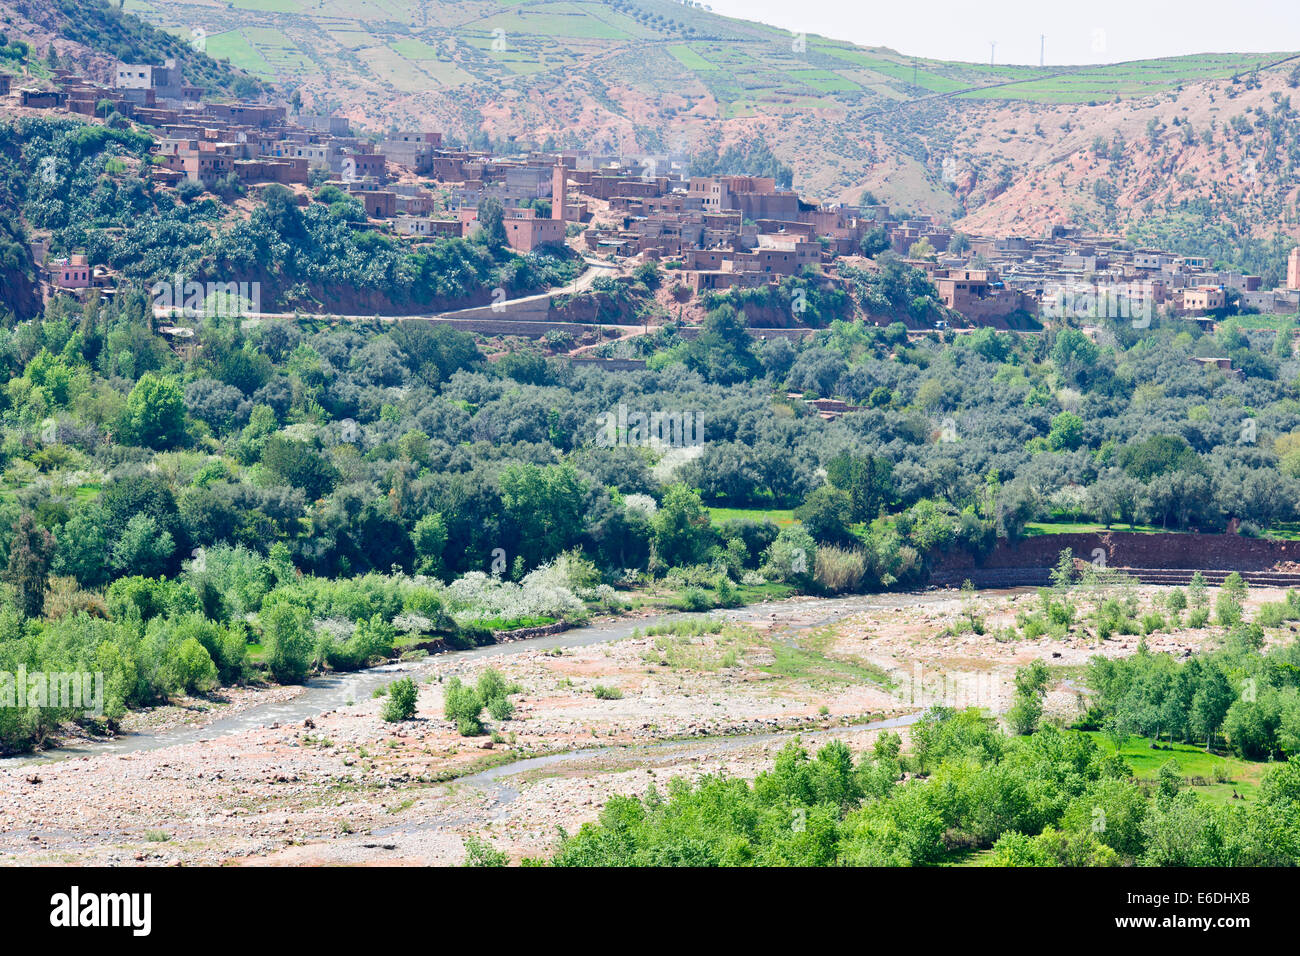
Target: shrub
[(193, 667), (400, 703), (463, 705), (288, 642), (694, 599), (602, 692), (1275, 613), (1152, 622), (791, 557), (481, 853)]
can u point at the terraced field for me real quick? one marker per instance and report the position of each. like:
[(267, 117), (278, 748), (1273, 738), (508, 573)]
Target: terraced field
[(746, 66), (634, 75)]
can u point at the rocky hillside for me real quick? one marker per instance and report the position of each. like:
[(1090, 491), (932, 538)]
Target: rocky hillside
[(1193, 149), (90, 35)]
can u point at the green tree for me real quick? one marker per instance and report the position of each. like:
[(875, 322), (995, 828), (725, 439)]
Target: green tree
[(1031, 689), (155, 413), (429, 538), (83, 547), (869, 481), (287, 639), (1066, 433), (31, 549), (1230, 603), (680, 528), (143, 548), (545, 506), (491, 218), (1075, 356), (1210, 703), (723, 352), (827, 514), (298, 464)]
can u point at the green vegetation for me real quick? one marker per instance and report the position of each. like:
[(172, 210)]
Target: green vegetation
[(464, 704), (299, 258), (1049, 799), (277, 499), (400, 701), (1235, 696)]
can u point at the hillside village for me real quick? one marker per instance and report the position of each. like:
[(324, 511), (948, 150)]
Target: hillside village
[(717, 233)]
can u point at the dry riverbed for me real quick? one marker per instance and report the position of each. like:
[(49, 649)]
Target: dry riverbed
[(344, 786)]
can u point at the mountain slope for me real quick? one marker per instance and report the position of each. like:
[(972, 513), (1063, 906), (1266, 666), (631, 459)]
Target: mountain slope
[(996, 148), (90, 35)]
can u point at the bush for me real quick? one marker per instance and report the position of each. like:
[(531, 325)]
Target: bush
[(1152, 622), (287, 638), (194, 668), (1276, 613), (694, 599), (400, 703), (464, 704), (791, 557), (480, 853), (602, 692)]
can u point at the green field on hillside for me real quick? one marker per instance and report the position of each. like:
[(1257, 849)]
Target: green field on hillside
[(1139, 78), (746, 66)]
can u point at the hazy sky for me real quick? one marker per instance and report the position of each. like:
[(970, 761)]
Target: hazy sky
[(1094, 31)]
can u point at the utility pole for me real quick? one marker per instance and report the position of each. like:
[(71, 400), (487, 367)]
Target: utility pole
[(1042, 48), (993, 48)]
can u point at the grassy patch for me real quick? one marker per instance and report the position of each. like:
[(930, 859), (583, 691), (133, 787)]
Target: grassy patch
[(811, 666), (778, 516), (807, 659), (1035, 528), (1213, 776), (690, 59)]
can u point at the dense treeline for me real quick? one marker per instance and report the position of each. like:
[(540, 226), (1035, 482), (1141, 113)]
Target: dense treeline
[(1055, 798), (1249, 700), (373, 456)]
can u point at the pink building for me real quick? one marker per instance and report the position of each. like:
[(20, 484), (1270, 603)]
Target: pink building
[(72, 272), (525, 232)]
